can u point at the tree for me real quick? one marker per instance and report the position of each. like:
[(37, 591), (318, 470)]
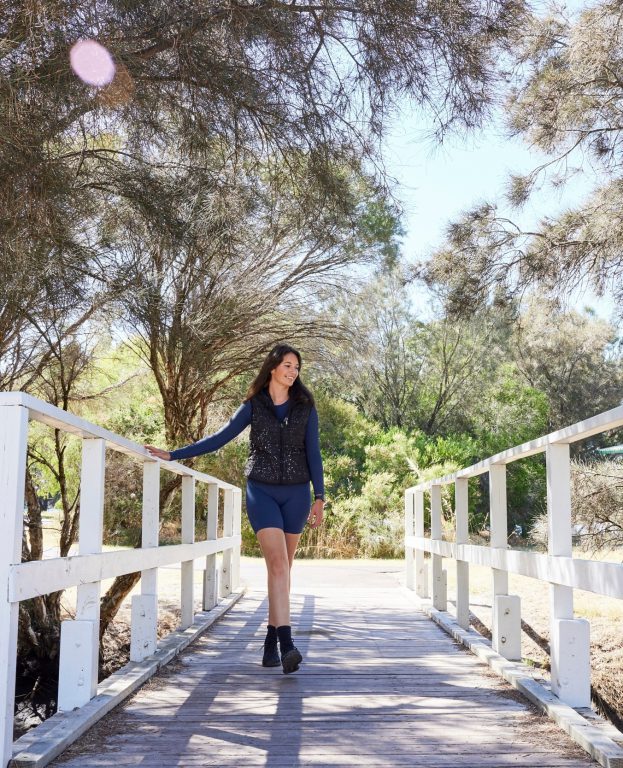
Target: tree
[(566, 102)]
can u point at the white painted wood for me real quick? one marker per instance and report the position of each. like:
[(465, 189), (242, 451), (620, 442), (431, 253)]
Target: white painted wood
[(13, 445), (188, 537), (499, 538), (68, 422), (461, 502), (228, 530), (409, 531), (88, 594), (235, 553), (210, 578), (571, 672), (611, 419), (143, 639), (507, 627), (589, 575), (439, 596), (144, 622), (77, 663), (421, 568), (25, 580)]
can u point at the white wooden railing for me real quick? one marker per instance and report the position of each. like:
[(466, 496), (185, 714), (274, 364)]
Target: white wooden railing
[(569, 637), (20, 581)]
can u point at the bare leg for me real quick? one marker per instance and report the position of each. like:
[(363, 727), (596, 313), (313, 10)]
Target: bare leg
[(292, 542), (273, 544)]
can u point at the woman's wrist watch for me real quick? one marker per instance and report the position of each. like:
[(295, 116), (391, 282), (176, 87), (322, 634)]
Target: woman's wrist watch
[(319, 497)]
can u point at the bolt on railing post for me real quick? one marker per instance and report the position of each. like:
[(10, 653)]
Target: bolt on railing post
[(210, 577), (409, 531), (144, 629), (421, 568), (228, 530), (13, 447), (440, 586), (461, 499), (188, 537), (570, 638), (79, 653), (506, 624)]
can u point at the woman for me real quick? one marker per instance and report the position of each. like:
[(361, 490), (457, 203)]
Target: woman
[(284, 456)]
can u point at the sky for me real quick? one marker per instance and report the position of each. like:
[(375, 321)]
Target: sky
[(435, 185)]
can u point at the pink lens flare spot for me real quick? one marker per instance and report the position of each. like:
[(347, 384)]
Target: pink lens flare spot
[(92, 62)]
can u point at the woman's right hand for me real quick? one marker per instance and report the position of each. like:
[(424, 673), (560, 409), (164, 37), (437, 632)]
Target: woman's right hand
[(158, 452)]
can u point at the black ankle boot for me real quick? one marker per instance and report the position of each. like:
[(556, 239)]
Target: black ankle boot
[(290, 654), (271, 654)]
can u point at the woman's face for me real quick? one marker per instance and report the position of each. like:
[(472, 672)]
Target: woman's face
[(287, 370)]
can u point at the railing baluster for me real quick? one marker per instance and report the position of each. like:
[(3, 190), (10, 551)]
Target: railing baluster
[(461, 502), (421, 568), (228, 530), (440, 587), (79, 656), (409, 531), (188, 537), (235, 557), (570, 638), (13, 447), (144, 631), (210, 577), (506, 624)]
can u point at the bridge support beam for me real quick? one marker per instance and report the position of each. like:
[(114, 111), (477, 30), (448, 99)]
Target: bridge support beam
[(570, 644), (13, 445)]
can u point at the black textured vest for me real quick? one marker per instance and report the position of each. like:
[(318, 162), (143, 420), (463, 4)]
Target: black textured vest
[(277, 449)]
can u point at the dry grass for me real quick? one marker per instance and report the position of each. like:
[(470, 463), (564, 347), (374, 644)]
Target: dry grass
[(604, 613)]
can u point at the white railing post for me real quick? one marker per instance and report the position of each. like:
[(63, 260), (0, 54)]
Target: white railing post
[(421, 568), (79, 654), (235, 559), (409, 531), (228, 530), (461, 499), (506, 629), (440, 585), (210, 576), (188, 537), (144, 630), (13, 447), (570, 638)]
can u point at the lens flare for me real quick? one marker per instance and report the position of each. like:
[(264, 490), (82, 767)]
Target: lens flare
[(92, 62)]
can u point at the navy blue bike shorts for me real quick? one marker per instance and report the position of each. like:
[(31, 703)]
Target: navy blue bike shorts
[(278, 506)]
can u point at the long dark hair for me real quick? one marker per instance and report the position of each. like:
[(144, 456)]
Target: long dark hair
[(298, 391)]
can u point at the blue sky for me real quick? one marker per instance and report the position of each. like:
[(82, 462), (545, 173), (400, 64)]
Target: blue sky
[(435, 184)]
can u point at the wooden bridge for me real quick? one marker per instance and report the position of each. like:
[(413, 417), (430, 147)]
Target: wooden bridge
[(381, 684)]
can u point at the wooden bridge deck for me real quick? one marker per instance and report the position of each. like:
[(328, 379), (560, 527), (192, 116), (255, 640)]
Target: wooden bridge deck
[(381, 685)]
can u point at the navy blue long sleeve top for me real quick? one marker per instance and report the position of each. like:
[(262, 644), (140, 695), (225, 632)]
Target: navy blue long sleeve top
[(241, 420)]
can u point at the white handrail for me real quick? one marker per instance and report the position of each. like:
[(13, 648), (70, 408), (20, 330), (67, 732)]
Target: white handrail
[(569, 646), (20, 581)]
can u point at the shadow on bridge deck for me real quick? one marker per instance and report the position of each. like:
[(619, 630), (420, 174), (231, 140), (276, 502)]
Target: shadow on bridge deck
[(381, 685)]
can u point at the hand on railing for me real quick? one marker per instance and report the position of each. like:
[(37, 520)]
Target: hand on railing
[(158, 453)]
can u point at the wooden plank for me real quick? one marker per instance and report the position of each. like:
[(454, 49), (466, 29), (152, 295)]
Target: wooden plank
[(377, 687)]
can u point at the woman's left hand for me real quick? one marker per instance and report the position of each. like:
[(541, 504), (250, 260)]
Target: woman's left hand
[(316, 514)]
